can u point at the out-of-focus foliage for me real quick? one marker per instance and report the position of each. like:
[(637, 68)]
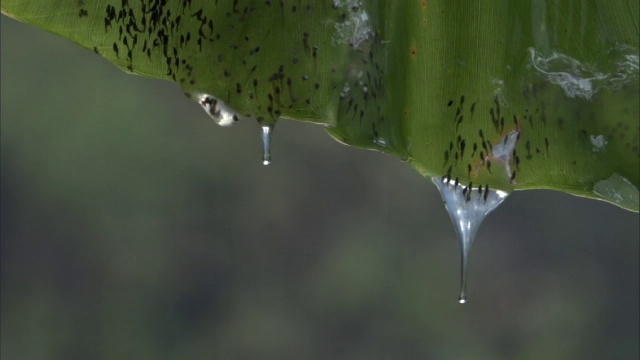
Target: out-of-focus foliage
[(134, 228)]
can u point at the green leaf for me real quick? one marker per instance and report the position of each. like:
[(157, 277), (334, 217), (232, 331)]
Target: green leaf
[(510, 95)]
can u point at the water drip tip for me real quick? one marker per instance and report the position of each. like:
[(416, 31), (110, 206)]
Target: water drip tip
[(463, 279), (462, 299)]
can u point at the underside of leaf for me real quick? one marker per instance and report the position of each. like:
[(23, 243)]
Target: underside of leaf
[(510, 96)]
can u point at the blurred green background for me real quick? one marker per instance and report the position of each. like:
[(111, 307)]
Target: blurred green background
[(134, 228)]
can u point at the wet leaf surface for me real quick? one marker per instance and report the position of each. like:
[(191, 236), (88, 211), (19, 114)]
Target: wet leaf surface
[(438, 84)]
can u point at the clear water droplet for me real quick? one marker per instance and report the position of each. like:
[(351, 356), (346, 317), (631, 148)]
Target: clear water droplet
[(467, 207), (266, 144), (222, 114)]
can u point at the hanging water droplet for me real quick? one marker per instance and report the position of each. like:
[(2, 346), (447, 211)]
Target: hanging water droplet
[(222, 114), (467, 208), (266, 144)]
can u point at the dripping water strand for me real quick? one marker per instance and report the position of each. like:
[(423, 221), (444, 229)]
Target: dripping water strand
[(266, 144), (467, 211)]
